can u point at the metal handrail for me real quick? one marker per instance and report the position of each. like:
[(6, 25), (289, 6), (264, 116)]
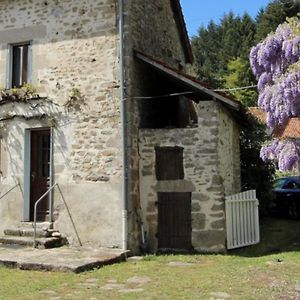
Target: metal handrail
[(34, 212), (10, 190), (64, 201)]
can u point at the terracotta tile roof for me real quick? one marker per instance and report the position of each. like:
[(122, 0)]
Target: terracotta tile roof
[(289, 130), (258, 113)]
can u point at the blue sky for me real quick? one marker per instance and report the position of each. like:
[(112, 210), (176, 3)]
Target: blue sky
[(199, 12)]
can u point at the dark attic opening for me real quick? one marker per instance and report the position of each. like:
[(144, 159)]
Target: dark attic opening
[(163, 103), (168, 97), (167, 112)]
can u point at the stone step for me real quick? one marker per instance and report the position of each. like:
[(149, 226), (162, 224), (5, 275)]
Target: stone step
[(39, 225), (44, 243), (29, 232)]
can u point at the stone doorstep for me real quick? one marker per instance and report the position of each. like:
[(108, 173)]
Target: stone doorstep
[(29, 232), (46, 242), (39, 225), (64, 259)]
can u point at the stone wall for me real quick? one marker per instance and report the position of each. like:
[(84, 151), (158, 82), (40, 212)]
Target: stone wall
[(229, 153), (203, 176), (75, 46), (153, 31), (150, 28)]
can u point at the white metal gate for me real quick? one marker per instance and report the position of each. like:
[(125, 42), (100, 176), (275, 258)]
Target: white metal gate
[(242, 221)]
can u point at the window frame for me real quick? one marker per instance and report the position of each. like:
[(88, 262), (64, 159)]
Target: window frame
[(10, 62)]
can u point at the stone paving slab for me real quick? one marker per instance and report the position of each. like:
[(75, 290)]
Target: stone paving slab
[(65, 259)]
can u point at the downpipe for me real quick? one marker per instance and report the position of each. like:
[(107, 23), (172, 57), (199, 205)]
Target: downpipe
[(123, 131)]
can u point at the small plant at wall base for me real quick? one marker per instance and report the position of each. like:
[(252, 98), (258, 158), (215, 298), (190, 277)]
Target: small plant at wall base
[(22, 94), (276, 64)]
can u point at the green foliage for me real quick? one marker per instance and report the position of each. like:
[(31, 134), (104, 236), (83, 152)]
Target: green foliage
[(222, 58), (75, 99), (238, 75), (255, 173), (22, 94), (229, 37), (247, 31), (274, 14), (206, 56), (216, 45)]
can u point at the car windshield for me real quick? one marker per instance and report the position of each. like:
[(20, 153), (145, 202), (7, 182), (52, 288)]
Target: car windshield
[(287, 183), (279, 183)]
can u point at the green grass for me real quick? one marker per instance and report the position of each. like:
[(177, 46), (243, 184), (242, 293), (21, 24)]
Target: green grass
[(241, 277), (250, 273)]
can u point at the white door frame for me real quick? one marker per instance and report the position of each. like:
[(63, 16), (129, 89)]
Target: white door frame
[(27, 167)]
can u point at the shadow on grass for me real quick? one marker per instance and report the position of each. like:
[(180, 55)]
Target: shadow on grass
[(277, 235)]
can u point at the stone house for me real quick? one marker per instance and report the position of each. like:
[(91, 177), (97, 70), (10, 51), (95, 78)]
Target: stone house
[(143, 154)]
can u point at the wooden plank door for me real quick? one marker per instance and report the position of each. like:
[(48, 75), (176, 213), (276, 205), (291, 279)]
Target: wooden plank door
[(174, 221), (40, 172)]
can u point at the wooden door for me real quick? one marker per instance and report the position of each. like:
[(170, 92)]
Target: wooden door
[(39, 171), (174, 221)]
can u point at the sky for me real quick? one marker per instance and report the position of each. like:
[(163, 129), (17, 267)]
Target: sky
[(200, 12)]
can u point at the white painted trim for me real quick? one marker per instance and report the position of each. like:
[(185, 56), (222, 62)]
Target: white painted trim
[(27, 169), (242, 219), (21, 65), (29, 66), (9, 67)]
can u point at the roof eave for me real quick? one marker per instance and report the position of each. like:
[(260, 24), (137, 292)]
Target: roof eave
[(193, 84), (179, 19)]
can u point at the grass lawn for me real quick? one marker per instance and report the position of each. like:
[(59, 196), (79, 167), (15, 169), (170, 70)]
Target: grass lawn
[(266, 271)]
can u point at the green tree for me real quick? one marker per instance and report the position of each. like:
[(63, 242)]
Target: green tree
[(217, 45), (247, 32), (205, 48), (222, 52), (239, 74), (275, 13), (255, 173), (230, 38)]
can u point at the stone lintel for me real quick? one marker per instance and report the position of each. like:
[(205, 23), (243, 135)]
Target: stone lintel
[(169, 186), (26, 34)]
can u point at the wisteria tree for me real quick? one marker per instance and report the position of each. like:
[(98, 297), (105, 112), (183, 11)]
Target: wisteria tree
[(276, 64)]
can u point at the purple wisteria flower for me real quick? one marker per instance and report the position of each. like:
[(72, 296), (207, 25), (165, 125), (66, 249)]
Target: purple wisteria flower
[(285, 152), (276, 64)]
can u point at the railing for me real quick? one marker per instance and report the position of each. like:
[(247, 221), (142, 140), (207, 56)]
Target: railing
[(242, 221), (51, 216), (18, 184)]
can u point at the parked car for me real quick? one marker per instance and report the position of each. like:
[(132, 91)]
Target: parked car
[(287, 197)]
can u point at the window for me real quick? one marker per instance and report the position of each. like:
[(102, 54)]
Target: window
[(291, 185), (169, 163), (19, 65)]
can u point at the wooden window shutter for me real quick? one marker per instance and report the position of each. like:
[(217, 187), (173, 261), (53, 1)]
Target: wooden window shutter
[(169, 163)]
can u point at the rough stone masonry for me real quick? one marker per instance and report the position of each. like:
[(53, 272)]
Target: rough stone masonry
[(74, 50)]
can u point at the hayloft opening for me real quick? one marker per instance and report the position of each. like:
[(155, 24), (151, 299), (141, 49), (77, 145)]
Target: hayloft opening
[(167, 112)]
